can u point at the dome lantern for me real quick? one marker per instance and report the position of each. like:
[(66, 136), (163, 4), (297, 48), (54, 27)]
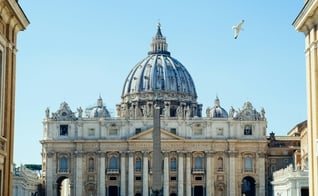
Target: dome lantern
[(159, 44)]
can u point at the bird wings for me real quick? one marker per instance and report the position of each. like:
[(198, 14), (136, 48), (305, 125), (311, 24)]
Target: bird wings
[(237, 29)]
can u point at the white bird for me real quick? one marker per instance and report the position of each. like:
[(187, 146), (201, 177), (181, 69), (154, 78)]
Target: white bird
[(237, 29)]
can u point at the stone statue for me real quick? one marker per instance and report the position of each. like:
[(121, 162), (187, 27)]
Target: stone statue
[(262, 113), (80, 112), (188, 112), (144, 110), (207, 111), (47, 113), (166, 111), (231, 112), (179, 112)]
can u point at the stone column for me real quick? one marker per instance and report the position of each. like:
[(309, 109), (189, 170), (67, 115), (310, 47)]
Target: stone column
[(209, 180), (180, 174), (166, 170), (261, 172), (78, 173), (102, 186), (123, 174), (188, 174), (145, 176), (131, 173), (232, 174)]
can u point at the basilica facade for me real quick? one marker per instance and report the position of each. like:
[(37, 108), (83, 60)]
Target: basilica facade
[(87, 151)]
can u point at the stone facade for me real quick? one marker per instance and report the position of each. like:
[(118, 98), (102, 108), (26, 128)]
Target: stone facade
[(103, 155)]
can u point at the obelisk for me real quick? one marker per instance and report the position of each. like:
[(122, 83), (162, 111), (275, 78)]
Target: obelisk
[(156, 160)]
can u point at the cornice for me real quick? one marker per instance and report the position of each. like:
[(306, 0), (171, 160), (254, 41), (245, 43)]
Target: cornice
[(307, 17)]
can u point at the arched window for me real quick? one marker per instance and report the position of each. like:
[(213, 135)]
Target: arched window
[(138, 164), (63, 165), (198, 163), (113, 163), (91, 164), (173, 164)]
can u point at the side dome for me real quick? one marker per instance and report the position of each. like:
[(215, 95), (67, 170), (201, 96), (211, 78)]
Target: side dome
[(216, 111), (159, 76), (98, 111)]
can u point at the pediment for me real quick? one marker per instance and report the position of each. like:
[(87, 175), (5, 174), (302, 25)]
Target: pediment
[(147, 135)]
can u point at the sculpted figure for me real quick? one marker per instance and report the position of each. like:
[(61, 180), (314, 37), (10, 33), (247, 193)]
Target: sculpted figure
[(208, 112), (262, 113), (179, 111), (231, 112), (47, 113), (80, 112)]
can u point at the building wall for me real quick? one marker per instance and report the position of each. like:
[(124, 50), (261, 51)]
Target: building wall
[(12, 21), (306, 22)]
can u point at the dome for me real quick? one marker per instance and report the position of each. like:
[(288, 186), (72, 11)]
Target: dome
[(98, 111), (159, 76), (217, 111)]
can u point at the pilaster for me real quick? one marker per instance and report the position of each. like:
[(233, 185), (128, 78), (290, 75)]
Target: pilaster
[(123, 174), (209, 179), (101, 184), (180, 174), (131, 173), (188, 174), (145, 174), (49, 173), (78, 181), (166, 174), (232, 172)]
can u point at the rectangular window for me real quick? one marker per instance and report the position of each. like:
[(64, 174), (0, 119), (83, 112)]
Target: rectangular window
[(198, 178), (173, 130), (91, 132), (112, 178), (219, 131), (64, 130), (63, 164), (137, 131), (138, 178), (197, 132), (248, 130), (248, 164), (173, 164), (113, 132), (138, 166), (173, 178)]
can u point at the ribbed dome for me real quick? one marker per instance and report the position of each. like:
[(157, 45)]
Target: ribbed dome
[(159, 72), (217, 111), (159, 75), (98, 111)]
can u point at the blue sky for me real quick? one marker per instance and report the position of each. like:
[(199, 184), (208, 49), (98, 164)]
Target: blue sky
[(74, 51)]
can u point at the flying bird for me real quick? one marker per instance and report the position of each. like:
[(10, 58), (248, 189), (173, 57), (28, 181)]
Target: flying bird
[(237, 29)]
